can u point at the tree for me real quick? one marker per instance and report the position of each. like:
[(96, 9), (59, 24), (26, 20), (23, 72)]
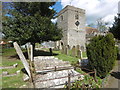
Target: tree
[(101, 25), (31, 22), (101, 54), (91, 25), (115, 29)]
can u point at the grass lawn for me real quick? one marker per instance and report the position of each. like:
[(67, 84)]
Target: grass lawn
[(65, 57), (61, 56), (9, 57)]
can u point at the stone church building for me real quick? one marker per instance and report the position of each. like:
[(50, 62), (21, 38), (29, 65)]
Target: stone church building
[(72, 21)]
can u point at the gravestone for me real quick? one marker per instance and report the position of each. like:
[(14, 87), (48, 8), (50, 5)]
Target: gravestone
[(73, 51), (78, 47), (79, 54), (22, 58), (68, 47), (62, 51), (66, 50)]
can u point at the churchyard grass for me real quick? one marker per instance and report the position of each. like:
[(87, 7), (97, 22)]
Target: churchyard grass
[(65, 57), (9, 57)]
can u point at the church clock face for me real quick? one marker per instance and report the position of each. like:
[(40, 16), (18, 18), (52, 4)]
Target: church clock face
[(77, 23)]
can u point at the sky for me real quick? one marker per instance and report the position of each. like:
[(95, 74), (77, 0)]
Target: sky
[(95, 9)]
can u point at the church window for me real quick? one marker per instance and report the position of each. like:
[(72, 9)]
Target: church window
[(76, 16)]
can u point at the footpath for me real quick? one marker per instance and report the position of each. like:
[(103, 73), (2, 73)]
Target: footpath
[(114, 78)]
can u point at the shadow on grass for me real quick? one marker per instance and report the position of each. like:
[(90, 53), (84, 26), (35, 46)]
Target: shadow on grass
[(24, 71), (43, 53), (17, 57), (116, 75), (36, 53)]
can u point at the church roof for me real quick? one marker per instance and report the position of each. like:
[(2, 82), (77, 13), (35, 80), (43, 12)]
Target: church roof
[(90, 30)]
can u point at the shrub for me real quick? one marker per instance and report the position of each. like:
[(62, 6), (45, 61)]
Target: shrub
[(101, 53)]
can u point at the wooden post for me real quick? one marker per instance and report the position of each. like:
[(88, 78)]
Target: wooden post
[(31, 47), (55, 68), (69, 81)]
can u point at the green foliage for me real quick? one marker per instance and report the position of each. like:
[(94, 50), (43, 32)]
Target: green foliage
[(101, 25), (115, 29), (31, 22), (87, 82), (101, 53)]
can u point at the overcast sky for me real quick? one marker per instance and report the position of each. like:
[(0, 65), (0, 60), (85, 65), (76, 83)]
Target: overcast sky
[(95, 9)]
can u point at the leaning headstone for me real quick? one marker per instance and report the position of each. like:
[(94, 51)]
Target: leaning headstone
[(73, 51), (22, 58)]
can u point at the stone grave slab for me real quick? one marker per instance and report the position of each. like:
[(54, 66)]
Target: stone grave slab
[(22, 58)]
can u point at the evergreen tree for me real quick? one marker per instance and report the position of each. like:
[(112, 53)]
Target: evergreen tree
[(115, 29), (31, 22), (101, 54)]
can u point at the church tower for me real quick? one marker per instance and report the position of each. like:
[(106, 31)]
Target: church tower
[(72, 21)]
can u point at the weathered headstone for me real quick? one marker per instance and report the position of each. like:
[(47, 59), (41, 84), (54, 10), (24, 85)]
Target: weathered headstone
[(66, 50), (79, 54), (82, 48), (73, 51), (62, 50), (22, 58), (78, 47)]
